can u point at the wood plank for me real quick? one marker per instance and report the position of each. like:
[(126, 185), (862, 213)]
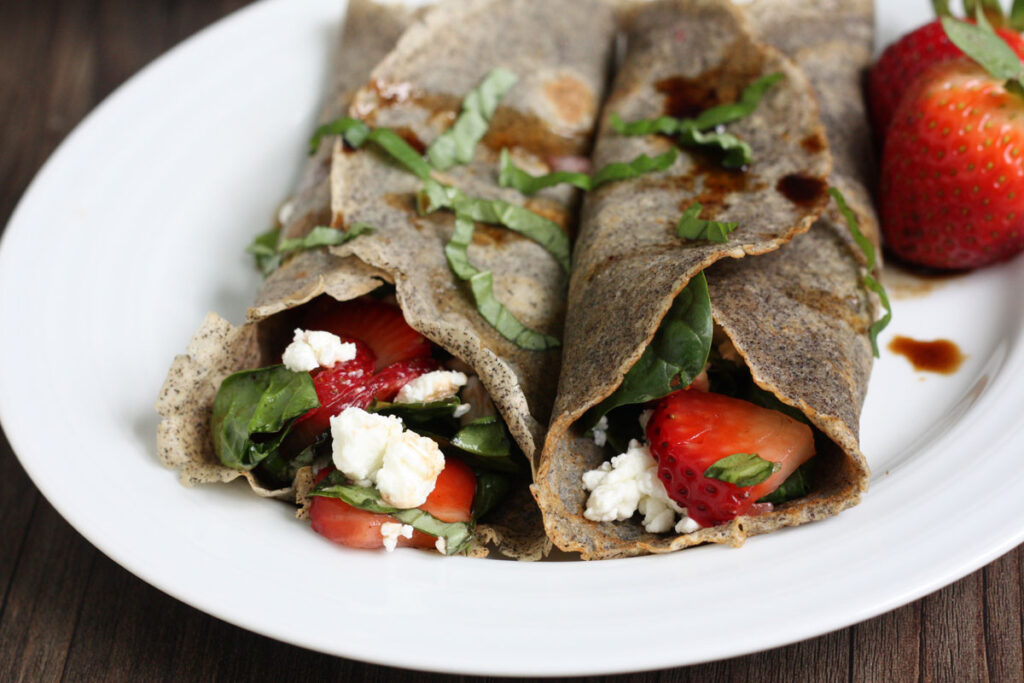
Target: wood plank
[(953, 632), (39, 618), (825, 659), (887, 648), (1004, 610)]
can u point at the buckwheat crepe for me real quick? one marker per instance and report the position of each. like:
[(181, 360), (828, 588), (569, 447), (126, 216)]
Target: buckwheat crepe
[(416, 89), (798, 315)]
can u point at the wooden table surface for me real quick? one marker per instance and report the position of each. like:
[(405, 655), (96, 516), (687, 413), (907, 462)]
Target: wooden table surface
[(68, 611)]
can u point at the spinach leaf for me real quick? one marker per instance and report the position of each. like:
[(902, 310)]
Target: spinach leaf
[(796, 485), (418, 413), (491, 488), (253, 411), (674, 358), (278, 470), (485, 442), (457, 535), (456, 145), (742, 469)]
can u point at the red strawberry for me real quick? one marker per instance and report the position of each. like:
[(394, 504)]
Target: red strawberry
[(903, 61), (952, 189), (351, 384), (450, 501), (691, 430), (380, 325)]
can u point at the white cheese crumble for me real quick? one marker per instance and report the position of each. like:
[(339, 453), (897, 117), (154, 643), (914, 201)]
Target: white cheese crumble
[(441, 545), (376, 450), (409, 471), (461, 410), (600, 431), (432, 386), (310, 350), (285, 213), (391, 531), (629, 483)]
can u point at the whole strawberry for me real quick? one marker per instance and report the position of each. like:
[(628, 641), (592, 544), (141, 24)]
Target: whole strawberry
[(905, 60), (952, 190)]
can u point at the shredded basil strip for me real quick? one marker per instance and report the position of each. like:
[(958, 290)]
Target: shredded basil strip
[(675, 356), (512, 176), (742, 469), (456, 145), (253, 412), (356, 134), (548, 234), (704, 131), (457, 535), (868, 249), (692, 227), (264, 251), (481, 284), (268, 249)]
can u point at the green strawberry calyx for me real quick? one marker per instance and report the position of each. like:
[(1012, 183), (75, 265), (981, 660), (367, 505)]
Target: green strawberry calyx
[(981, 43)]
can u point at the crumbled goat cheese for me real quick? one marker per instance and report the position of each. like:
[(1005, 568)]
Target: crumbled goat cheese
[(391, 531), (285, 213), (629, 483), (376, 450), (359, 440), (310, 350), (461, 410), (600, 431), (441, 545), (433, 386), (409, 471)]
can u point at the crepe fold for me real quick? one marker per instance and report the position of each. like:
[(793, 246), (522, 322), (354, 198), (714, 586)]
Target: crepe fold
[(797, 314), (560, 53)]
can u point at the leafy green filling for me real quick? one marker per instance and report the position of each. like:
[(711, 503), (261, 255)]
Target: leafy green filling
[(742, 469), (456, 145), (510, 175), (254, 410)]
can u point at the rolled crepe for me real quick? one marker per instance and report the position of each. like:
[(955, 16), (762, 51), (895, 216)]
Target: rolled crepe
[(798, 316), (417, 90)]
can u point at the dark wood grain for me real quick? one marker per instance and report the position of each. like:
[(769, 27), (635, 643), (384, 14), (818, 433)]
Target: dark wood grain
[(68, 612)]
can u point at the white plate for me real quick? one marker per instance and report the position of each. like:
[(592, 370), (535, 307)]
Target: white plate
[(135, 228)]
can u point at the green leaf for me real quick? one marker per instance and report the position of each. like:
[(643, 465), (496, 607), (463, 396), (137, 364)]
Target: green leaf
[(280, 470), (457, 535), (253, 411), (868, 249), (692, 227), (703, 131), (796, 485), (1017, 15), (675, 357), (512, 176), (737, 153), (548, 234), (357, 133), (986, 48), (481, 285), (417, 413), (456, 145), (734, 111), (495, 313), (742, 469), (264, 251), (484, 436), (491, 488), (324, 236)]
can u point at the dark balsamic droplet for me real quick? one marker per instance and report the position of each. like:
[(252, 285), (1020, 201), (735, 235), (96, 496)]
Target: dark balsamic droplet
[(802, 190)]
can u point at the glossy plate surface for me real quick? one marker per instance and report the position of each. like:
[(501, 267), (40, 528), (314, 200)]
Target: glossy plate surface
[(134, 229)]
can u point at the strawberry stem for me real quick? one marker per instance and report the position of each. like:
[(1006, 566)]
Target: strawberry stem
[(1017, 15), (941, 8)]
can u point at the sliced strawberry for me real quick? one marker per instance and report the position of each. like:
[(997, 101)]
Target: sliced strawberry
[(380, 325), (341, 387), (691, 430), (450, 501)]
